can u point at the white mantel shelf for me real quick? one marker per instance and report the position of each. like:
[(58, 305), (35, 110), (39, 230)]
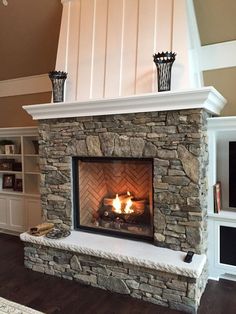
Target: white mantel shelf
[(207, 98)]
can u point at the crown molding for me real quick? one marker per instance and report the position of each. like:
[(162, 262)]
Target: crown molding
[(25, 85), (207, 98), (218, 56)]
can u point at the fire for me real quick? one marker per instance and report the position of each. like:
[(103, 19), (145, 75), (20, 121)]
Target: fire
[(117, 204), (128, 209), (124, 206)]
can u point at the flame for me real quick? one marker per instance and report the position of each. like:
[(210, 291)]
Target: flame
[(128, 209), (117, 204), (124, 207)]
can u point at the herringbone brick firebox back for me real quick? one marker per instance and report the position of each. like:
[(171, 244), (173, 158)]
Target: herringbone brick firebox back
[(98, 180)]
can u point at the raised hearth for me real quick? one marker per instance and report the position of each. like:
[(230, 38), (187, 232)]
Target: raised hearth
[(128, 251), (157, 275)]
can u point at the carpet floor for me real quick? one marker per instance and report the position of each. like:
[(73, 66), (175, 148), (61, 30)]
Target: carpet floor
[(8, 307)]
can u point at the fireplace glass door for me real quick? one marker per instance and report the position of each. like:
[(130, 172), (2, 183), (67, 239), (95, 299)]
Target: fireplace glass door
[(114, 195)]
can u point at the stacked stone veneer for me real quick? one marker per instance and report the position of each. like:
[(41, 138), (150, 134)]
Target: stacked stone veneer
[(176, 140), (162, 288)]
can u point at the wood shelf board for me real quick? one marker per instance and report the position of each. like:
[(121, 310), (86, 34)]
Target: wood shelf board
[(223, 214), (10, 191), (17, 193), (10, 155), (20, 131), (11, 172), (36, 195), (20, 172)]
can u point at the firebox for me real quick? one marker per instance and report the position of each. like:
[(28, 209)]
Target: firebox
[(114, 196)]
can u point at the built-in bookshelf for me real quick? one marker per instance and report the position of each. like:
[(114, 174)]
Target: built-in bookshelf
[(22, 164), (221, 135), (19, 178)]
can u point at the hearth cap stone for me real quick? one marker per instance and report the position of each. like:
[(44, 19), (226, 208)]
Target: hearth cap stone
[(126, 251)]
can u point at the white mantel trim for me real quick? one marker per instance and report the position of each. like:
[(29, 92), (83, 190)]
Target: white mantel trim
[(207, 98)]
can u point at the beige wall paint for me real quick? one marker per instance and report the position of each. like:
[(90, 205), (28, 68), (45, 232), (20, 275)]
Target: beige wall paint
[(28, 37), (13, 115), (224, 80), (216, 20)]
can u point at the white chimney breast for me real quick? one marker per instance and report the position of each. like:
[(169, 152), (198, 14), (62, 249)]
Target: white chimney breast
[(106, 46)]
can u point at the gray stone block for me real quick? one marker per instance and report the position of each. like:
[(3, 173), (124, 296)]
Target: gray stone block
[(113, 284), (88, 279), (151, 289), (75, 263)]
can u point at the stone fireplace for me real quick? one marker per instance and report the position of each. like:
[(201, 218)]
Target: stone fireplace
[(84, 159), (176, 142), (121, 159)]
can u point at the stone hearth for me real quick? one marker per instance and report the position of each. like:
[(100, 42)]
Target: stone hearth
[(176, 139), (146, 272)]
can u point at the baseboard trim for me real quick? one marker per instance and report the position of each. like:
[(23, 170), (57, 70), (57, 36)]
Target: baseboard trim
[(10, 232)]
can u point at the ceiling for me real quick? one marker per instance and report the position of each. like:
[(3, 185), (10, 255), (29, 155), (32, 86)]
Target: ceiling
[(28, 35), (216, 20)]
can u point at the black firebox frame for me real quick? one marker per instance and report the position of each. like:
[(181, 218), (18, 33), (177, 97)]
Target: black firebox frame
[(75, 190)]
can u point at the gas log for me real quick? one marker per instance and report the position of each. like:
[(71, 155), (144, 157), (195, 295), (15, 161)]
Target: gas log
[(108, 216), (138, 205)]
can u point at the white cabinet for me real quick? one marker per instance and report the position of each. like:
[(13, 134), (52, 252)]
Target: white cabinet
[(3, 212), (17, 213), (19, 179), (221, 131)]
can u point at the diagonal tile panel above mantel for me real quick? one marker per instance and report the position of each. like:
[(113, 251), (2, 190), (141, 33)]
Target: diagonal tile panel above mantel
[(207, 98)]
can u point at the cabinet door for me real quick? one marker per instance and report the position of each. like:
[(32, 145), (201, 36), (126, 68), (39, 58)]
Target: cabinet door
[(4, 220), (34, 211), (17, 213)]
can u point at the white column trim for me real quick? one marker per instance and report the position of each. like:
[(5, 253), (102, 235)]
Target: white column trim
[(186, 69), (218, 56), (25, 85)]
